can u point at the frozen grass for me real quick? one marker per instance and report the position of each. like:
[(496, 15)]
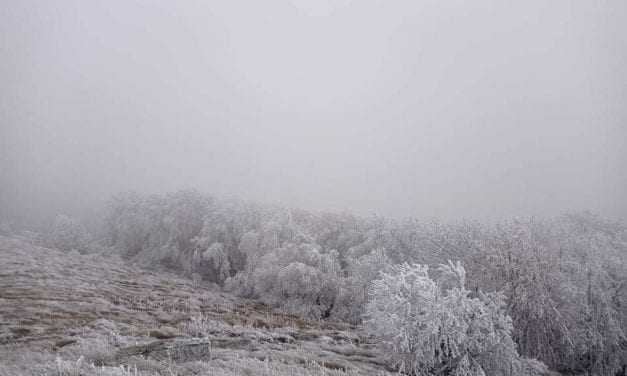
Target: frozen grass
[(251, 366), (29, 363), (66, 314), (199, 325)]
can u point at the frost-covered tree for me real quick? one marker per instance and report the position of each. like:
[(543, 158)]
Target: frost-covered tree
[(249, 246), (430, 328), (563, 279)]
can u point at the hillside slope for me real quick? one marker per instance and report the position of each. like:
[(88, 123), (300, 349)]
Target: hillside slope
[(67, 313)]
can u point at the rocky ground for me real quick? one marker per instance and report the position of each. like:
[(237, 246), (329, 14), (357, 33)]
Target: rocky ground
[(63, 313)]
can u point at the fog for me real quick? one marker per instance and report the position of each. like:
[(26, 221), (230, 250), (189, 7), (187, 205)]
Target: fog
[(454, 109)]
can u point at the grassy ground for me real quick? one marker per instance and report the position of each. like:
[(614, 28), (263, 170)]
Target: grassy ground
[(63, 313)]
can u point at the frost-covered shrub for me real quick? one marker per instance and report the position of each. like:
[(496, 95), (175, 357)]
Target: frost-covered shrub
[(200, 325), (298, 278), (157, 229), (353, 290), (68, 234), (430, 328), (211, 261)]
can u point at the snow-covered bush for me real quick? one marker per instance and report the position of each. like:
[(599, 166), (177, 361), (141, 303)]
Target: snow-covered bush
[(353, 290), (68, 234), (157, 229), (430, 328), (297, 278), (200, 325), (211, 261)]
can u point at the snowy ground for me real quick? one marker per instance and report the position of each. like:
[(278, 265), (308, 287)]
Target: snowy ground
[(63, 313)]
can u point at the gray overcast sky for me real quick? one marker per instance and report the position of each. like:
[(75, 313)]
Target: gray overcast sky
[(427, 108)]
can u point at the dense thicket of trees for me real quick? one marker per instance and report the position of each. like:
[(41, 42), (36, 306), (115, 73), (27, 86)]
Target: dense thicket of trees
[(561, 281), (435, 325), (566, 280)]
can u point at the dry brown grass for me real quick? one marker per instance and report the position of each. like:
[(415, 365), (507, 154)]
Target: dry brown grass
[(65, 313)]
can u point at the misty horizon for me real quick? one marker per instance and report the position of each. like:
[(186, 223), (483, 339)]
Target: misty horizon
[(419, 109)]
